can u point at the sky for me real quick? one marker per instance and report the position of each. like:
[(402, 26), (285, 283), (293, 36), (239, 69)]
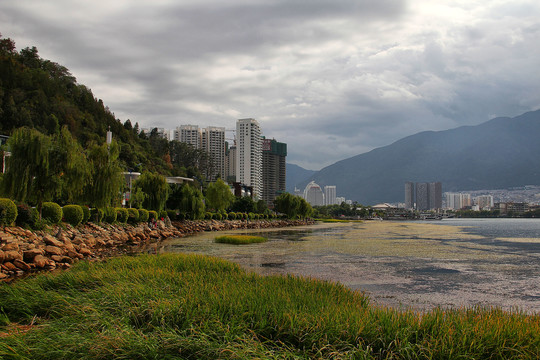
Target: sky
[(332, 79)]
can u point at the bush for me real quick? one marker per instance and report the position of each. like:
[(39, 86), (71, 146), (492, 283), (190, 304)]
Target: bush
[(8, 212), (86, 214), (152, 215), (218, 216), (97, 215), (171, 214), (109, 215), (122, 215), (163, 214), (26, 216), (143, 215), (73, 214), (180, 216), (133, 216), (208, 215), (51, 212)]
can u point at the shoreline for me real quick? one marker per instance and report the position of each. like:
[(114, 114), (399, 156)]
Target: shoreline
[(25, 252)]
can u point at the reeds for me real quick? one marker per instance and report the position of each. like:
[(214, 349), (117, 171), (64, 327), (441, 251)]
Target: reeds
[(198, 307), (240, 239)]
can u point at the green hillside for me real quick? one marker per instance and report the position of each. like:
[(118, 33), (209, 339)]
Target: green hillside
[(41, 94)]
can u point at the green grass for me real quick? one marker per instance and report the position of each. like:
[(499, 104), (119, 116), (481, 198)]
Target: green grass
[(338, 220), (240, 239), (176, 306)]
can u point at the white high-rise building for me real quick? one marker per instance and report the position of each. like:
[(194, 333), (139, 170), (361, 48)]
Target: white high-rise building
[(330, 194), (213, 142), (249, 154), (314, 194), (457, 201), (189, 134)]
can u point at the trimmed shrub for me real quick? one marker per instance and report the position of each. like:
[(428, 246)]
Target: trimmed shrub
[(181, 216), (86, 214), (171, 214), (26, 216), (232, 215), (122, 215), (8, 212), (133, 216), (109, 215), (73, 214), (218, 216), (152, 215), (96, 215), (208, 215), (51, 212), (143, 215)]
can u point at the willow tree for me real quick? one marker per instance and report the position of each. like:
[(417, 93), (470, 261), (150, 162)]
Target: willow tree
[(288, 204), (219, 195), (192, 202), (107, 181), (155, 189), (29, 177)]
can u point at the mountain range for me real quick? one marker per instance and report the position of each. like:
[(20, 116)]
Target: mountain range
[(500, 153)]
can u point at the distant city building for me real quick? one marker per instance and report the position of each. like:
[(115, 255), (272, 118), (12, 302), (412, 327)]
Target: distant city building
[(189, 134), (230, 164), (435, 195), (422, 196), (484, 202), (340, 200), (249, 154), (273, 170), (409, 195), (457, 201), (330, 194), (314, 194), (213, 142), (298, 192)]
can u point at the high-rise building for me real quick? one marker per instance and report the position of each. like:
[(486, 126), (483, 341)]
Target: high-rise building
[(484, 202), (189, 134), (457, 201), (409, 195), (435, 195), (230, 163), (213, 142), (273, 170), (330, 195), (314, 194), (422, 196), (249, 154)]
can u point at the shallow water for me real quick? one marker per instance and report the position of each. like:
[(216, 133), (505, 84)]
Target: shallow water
[(399, 264)]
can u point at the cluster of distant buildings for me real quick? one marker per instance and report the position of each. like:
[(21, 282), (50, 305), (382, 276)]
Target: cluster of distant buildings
[(316, 196), (423, 196), (256, 166)]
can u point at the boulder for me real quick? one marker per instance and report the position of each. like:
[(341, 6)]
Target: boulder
[(2, 256), (3, 276), (11, 246), (9, 266), (54, 250), (12, 255), (41, 261), (49, 240), (29, 255), (22, 265)]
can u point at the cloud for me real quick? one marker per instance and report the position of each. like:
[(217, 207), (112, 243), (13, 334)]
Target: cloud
[(332, 79)]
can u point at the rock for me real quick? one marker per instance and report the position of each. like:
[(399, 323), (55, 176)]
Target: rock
[(85, 251), (2, 256), (54, 250), (12, 255), (74, 254), (12, 246), (49, 240), (62, 259), (29, 255), (3, 276), (9, 266), (22, 265), (41, 261)]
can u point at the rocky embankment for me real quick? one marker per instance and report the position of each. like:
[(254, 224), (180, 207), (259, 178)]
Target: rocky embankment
[(23, 251)]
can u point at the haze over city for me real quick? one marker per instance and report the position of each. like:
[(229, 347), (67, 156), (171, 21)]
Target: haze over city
[(331, 79)]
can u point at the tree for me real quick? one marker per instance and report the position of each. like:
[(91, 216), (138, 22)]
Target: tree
[(28, 176), (243, 204), (219, 196), (288, 204), (155, 188), (304, 208), (107, 180), (192, 202)]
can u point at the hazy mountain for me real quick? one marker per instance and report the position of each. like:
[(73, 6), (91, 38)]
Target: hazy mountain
[(500, 153), (296, 175)]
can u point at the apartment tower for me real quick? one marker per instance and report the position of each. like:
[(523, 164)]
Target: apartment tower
[(249, 154), (273, 170)]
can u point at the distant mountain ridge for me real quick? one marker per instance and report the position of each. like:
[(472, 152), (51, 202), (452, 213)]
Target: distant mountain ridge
[(500, 153)]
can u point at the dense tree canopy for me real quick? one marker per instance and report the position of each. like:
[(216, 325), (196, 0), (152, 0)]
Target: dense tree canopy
[(219, 196)]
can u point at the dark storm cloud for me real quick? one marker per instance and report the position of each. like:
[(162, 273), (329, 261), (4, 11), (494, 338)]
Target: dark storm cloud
[(331, 78)]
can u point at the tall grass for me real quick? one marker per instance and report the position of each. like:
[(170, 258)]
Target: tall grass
[(240, 239), (196, 307)]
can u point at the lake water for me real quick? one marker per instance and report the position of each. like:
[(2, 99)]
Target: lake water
[(417, 265)]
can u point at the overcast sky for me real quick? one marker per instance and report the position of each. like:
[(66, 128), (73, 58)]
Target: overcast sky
[(332, 79)]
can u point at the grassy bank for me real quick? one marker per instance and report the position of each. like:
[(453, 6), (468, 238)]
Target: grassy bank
[(240, 239), (197, 307)]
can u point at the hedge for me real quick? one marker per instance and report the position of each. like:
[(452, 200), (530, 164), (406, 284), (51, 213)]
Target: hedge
[(122, 215), (133, 215), (109, 215), (51, 212), (86, 214), (73, 214), (143, 215), (97, 215), (26, 216), (152, 215), (8, 212)]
